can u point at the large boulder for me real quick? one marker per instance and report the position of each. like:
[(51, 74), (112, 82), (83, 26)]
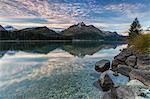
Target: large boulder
[(131, 61), (141, 91), (102, 65), (116, 62), (123, 55), (135, 83), (122, 92), (133, 90), (106, 83), (143, 60), (120, 57), (141, 75), (123, 69), (146, 67)]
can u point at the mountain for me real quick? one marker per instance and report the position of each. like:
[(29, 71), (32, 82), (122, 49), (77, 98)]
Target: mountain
[(10, 28), (108, 33), (2, 28), (79, 31), (3, 33), (83, 31), (36, 33), (41, 31), (81, 49)]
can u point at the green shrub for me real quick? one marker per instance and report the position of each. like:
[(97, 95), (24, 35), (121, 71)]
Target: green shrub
[(140, 43)]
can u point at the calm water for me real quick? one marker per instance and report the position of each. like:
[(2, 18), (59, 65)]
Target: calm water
[(53, 71)]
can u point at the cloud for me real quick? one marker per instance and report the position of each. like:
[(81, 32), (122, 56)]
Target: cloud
[(126, 9), (61, 14)]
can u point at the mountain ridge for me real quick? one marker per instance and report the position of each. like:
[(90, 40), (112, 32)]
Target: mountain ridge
[(78, 31), (82, 31)]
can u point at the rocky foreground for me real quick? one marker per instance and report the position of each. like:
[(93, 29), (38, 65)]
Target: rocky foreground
[(132, 65)]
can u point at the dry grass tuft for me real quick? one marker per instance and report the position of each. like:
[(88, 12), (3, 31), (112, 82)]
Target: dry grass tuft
[(141, 43)]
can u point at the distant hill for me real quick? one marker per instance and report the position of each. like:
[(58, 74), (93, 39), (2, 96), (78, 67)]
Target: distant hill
[(36, 33), (40, 31), (83, 31)]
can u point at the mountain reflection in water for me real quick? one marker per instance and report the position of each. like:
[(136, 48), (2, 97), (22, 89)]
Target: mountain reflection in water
[(52, 70), (76, 48)]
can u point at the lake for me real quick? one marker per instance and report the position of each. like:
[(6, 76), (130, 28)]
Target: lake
[(54, 70)]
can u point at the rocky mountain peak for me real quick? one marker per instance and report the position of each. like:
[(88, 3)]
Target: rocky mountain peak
[(81, 24)]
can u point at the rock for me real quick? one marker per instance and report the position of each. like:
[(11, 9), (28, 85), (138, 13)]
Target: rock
[(127, 52), (123, 69), (123, 55), (106, 83), (120, 57), (141, 75), (123, 92), (135, 83), (115, 74), (133, 90), (111, 94), (136, 67), (131, 61), (142, 95), (141, 91), (102, 65), (117, 80), (146, 67), (143, 60), (116, 62)]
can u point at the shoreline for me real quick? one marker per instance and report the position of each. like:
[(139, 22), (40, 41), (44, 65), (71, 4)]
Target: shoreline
[(9, 41), (130, 64), (63, 41)]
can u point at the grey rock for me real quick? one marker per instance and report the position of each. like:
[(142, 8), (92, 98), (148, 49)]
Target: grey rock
[(142, 95), (135, 83), (116, 62), (115, 74), (123, 55), (143, 60), (141, 75), (131, 61), (106, 83), (102, 65), (123, 69), (146, 67), (112, 94), (123, 92)]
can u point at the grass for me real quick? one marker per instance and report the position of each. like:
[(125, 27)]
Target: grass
[(140, 43)]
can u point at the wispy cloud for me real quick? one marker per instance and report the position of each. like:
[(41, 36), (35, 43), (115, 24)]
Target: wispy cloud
[(130, 10), (61, 14)]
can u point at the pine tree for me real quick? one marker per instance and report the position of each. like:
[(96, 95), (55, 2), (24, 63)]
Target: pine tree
[(135, 29)]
